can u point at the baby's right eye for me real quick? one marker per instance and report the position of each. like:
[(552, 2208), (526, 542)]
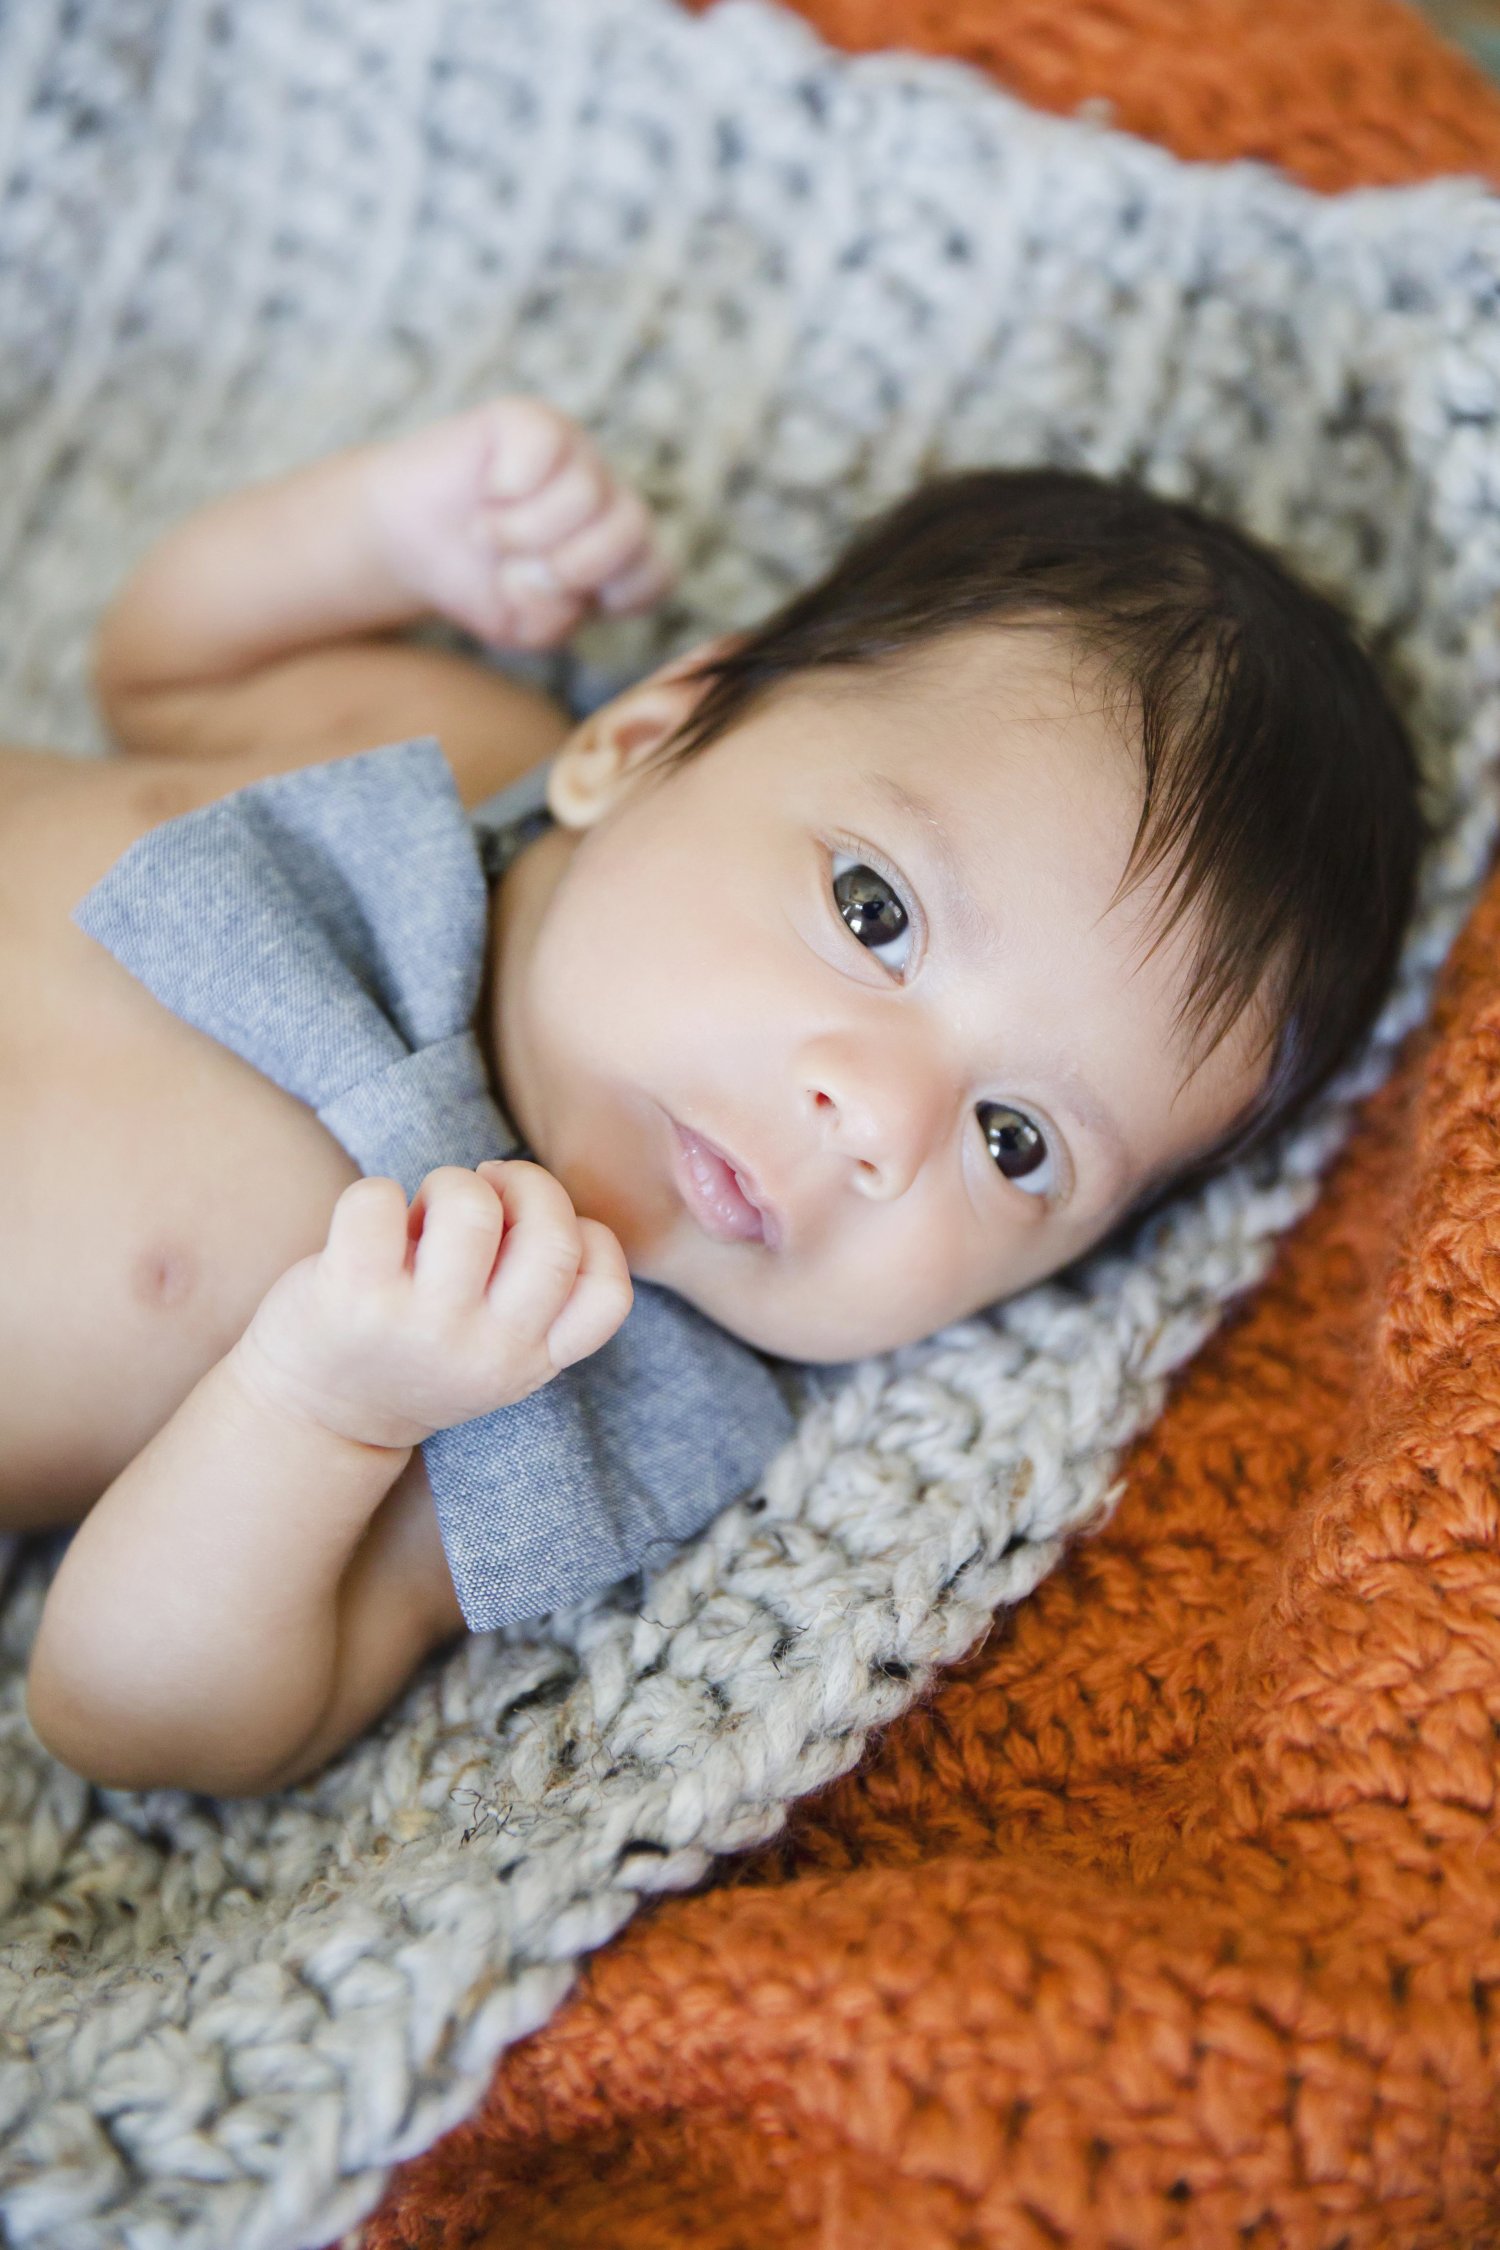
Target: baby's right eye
[(870, 907)]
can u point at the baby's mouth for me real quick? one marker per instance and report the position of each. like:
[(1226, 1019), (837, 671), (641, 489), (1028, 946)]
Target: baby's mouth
[(712, 1189)]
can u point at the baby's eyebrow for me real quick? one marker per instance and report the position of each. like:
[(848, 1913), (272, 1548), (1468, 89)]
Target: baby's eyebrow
[(959, 900)]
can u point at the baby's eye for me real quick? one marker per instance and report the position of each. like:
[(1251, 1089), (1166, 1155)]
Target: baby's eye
[(871, 908), (1018, 1145)]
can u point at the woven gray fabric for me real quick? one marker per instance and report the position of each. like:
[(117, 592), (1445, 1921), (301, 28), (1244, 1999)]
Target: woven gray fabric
[(779, 285)]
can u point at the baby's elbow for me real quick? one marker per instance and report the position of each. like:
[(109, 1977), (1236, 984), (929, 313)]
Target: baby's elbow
[(98, 1736), (71, 1727)]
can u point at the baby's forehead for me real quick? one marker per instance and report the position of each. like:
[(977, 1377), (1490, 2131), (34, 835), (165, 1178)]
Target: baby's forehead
[(1041, 662), (982, 726), (972, 735)]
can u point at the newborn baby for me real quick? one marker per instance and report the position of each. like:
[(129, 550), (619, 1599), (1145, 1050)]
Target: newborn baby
[(871, 966)]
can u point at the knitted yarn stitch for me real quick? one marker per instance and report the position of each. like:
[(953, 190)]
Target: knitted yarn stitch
[(781, 286)]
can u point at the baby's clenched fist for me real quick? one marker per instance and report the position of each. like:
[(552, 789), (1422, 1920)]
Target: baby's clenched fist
[(409, 1321), (509, 520)]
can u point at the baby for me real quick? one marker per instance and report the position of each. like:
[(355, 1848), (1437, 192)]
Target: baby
[(871, 966)]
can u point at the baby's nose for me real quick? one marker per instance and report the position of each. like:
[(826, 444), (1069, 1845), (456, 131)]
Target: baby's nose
[(883, 1119)]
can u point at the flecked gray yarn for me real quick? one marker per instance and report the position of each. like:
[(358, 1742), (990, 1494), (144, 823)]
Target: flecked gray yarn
[(781, 286)]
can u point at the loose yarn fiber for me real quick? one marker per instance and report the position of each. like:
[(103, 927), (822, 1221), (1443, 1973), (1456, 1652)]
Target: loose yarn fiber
[(781, 286)]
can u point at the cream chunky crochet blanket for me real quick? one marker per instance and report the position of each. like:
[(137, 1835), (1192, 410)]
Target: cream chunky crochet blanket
[(781, 286)]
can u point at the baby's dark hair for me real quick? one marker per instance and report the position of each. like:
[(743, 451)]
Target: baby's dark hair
[(1280, 800)]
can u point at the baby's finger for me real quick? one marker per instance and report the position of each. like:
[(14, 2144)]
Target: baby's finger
[(536, 612), (602, 1296), (462, 1217), (605, 547), (640, 585), (367, 1233), (563, 505), (536, 617), (539, 1257), (529, 443)]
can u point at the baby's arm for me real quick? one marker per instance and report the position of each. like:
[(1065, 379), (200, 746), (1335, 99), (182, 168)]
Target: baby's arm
[(228, 1615), (268, 618)]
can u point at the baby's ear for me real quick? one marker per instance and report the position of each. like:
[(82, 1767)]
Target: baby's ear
[(601, 759)]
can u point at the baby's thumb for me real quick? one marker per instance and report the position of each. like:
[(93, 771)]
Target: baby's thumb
[(601, 1297)]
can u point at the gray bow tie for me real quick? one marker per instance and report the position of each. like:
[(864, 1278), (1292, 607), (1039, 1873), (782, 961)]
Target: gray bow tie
[(329, 925)]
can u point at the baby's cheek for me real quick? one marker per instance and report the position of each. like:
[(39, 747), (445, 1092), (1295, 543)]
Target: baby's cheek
[(951, 1271), (890, 1291)]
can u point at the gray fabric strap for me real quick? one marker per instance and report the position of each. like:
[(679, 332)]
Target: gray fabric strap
[(329, 925), (507, 822)]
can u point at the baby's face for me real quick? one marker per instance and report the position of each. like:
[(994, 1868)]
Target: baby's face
[(863, 946)]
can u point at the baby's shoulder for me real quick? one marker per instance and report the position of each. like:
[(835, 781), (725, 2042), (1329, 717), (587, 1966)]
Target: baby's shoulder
[(64, 821)]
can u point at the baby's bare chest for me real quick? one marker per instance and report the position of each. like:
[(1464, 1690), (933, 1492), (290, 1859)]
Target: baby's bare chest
[(154, 1185)]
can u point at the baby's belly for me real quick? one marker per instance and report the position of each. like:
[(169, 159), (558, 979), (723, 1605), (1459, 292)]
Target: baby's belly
[(154, 1185)]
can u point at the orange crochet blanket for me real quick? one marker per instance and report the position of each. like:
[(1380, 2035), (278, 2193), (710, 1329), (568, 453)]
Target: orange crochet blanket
[(1174, 1916)]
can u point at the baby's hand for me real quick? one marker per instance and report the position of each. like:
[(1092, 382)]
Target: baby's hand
[(410, 1321), (509, 520)]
